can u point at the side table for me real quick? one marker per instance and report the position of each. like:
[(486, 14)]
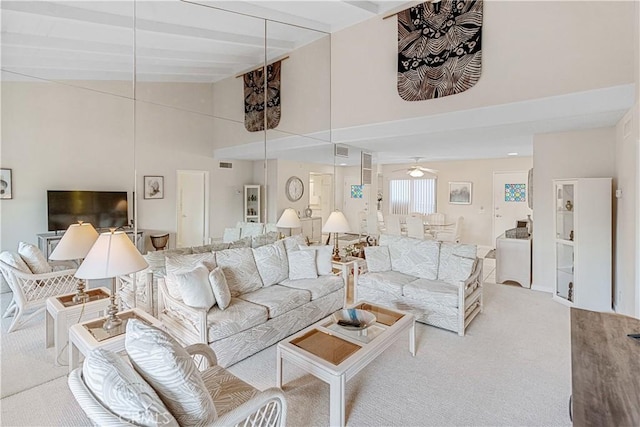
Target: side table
[(86, 336), (349, 266), (62, 313)]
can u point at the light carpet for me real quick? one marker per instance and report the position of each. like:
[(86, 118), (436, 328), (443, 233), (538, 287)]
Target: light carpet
[(512, 368)]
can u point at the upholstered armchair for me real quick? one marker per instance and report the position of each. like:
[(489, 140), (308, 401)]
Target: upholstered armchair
[(30, 291), (113, 392)]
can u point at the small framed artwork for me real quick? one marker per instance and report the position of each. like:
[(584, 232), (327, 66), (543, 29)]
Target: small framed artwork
[(154, 187), (460, 193), (6, 184)]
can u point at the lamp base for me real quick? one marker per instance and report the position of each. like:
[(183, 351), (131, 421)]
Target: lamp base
[(81, 296), (336, 251), (113, 321)]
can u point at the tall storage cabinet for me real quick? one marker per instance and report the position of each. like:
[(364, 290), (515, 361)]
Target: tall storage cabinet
[(252, 203), (582, 212)]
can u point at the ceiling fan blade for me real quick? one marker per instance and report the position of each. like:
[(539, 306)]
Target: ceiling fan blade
[(427, 169)]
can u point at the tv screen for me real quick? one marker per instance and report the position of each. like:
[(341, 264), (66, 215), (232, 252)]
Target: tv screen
[(103, 209)]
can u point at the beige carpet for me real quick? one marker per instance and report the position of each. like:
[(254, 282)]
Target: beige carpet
[(511, 369)]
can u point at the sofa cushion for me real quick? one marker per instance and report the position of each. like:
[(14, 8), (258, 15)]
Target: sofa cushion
[(302, 265), (272, 263), (121, 389), (386, 281), (170, 370), (231, 234), (15, 261), (226, 390), (239, 316), (219, 246), (319, 287), (34, 258), (195, 289), (220, 288), (450, 254), (250, 229), (378, 258), (432, 292), (323, 258), (415, 257), (179, 264), (278, 299), (293, 243), (240, 270)]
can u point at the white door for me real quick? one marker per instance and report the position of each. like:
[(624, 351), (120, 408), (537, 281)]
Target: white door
[(509, 200), (353, 203), (192, 208)]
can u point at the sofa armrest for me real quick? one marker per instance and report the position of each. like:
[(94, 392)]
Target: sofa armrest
[(203, 355), (475, 278), (267, 408), (187, 323)]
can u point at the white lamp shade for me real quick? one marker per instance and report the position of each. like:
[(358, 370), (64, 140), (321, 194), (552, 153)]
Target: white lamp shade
[(336, 223), (416, 173), (75, 243), (112, 255), (289, 219)]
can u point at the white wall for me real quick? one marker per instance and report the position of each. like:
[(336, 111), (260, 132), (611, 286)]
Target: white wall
[(579, 154), (531, 49), (478, 219)]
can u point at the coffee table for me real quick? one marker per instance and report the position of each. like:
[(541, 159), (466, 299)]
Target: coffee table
[(334, 354)]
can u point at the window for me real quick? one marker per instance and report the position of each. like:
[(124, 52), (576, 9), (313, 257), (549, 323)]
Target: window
[(412, 195)]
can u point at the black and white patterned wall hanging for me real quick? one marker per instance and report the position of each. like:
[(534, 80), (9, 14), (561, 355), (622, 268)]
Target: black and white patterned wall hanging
[(254, 98), (439, 49)]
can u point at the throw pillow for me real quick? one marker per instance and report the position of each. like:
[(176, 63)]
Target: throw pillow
[(293, 243), (195, 289), (169, 369), (15, 261), (34, 258), (121, 389), (239, 268), (378, 258), (178, 264), (460, 268), (272, 264), (245, 242), (220, 288), (323, 255), (302, 265)]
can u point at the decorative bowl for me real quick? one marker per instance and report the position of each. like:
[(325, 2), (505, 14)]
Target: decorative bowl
[(354, 319)]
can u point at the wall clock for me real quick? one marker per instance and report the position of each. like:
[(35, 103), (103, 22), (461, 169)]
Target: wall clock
[(294, 189)]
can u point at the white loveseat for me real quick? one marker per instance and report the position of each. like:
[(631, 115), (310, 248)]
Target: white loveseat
[(440, 283), (268, 299)]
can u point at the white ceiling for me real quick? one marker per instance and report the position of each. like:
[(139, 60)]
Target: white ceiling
[(94, 40)]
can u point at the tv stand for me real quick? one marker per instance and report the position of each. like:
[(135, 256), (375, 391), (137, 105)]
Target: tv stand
[(48, 241)]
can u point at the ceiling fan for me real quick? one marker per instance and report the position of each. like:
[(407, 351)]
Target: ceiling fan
[(417, 171)]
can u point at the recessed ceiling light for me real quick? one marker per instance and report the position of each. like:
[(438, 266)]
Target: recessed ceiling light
[(512, 154)]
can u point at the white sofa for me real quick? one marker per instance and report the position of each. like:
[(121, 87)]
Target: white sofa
[(269, 301), (439, 282)]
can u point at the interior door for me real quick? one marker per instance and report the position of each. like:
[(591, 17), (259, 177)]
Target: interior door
[(356, 199), (192, 208), (509, 200)]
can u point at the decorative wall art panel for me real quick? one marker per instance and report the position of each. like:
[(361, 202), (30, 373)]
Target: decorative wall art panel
[(515, 192), (439, 49), (356, 191), (254, 109)]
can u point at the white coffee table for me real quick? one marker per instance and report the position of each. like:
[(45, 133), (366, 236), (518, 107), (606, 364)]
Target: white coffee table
[(62, 313), (335, 355), (86, 336)]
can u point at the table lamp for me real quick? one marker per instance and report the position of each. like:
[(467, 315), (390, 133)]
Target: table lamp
[(289, 219), (74, 246), (336, 223), (112, 255)]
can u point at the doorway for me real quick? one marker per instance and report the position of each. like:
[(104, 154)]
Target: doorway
[(356, 200), (509, 200), (192, 208), (320, 194)]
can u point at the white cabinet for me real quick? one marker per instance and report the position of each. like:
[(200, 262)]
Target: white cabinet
[(252, 202), (513, 260), (582, 217), (311, 228)]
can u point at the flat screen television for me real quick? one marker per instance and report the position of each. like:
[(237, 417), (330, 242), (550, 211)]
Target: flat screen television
[(103, 209)]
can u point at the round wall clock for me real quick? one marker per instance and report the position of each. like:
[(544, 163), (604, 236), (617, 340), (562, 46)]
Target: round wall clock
[(294, 189)]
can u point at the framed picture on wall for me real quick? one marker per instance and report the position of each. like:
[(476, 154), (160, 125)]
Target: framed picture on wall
[(460, 193), (154, 187), (6, 184)]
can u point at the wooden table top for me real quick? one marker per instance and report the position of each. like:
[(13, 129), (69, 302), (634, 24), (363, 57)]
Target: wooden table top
[(605, 368)]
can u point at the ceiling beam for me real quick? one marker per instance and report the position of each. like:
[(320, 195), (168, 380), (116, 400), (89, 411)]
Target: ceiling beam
[(369, 6)]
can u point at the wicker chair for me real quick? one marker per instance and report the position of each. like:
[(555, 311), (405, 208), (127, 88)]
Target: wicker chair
[(30, 291), (264, 409)]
